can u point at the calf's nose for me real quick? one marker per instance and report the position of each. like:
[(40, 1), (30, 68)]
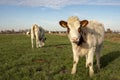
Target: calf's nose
[(75, 39)]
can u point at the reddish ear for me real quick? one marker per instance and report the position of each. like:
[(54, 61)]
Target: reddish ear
[(83, 23), (63, 24)]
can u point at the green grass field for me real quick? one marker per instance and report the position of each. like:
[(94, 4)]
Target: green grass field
[(18, 61)]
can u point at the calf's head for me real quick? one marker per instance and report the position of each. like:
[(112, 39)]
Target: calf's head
[(74, 26)]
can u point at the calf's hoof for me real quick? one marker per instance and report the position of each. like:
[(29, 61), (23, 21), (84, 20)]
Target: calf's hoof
[(91, 73)]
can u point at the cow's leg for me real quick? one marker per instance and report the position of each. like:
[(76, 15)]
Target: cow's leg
[(98, 56), (86, 60), (75, 62), (32, 39), (37, 42), (98, 60), (32, 42), (90, 61)]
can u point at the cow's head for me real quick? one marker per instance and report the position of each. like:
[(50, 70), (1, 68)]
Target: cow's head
[(43, 41), (74, 26)]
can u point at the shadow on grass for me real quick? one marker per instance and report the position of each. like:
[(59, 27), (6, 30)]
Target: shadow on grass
[(108, 58)]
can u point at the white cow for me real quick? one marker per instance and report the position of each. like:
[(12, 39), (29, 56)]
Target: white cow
[(37, 33), (86, 38)]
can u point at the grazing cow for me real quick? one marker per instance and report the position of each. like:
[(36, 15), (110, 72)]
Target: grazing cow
[(86, 38), (37, 33)]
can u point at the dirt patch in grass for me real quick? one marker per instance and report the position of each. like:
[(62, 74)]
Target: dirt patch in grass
[(39, 60)]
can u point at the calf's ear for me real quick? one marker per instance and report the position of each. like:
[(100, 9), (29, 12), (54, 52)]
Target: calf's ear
[(83, 23), (63, 24)]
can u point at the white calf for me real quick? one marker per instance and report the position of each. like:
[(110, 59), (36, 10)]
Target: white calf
[(86, 38), (38, 33)]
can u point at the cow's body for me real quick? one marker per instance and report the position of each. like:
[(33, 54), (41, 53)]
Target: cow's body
[(86, 38), (37, 33)]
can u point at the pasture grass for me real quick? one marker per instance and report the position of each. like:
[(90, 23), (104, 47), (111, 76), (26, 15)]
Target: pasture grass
[(18, 61)]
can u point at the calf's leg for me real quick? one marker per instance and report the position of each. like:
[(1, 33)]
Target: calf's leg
[(90, 61), (75, 62)]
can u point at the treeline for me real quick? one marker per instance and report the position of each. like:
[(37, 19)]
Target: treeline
[(111, 31), (27, 31), (13, 31)]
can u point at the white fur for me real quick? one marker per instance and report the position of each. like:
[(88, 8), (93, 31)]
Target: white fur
[(37, 33), (94, 42)]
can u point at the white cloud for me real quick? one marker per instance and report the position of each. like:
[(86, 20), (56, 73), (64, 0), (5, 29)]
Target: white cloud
[(43, 3), (104, 2), (58, 3)]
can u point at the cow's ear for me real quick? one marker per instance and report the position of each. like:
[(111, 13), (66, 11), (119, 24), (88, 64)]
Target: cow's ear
[(63, 24), (83, 23)]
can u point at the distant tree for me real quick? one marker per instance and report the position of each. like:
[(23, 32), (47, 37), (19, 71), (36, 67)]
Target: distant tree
[(12, 31)]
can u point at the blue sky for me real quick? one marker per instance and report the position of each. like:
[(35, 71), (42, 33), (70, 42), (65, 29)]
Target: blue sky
[(22, 14)]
